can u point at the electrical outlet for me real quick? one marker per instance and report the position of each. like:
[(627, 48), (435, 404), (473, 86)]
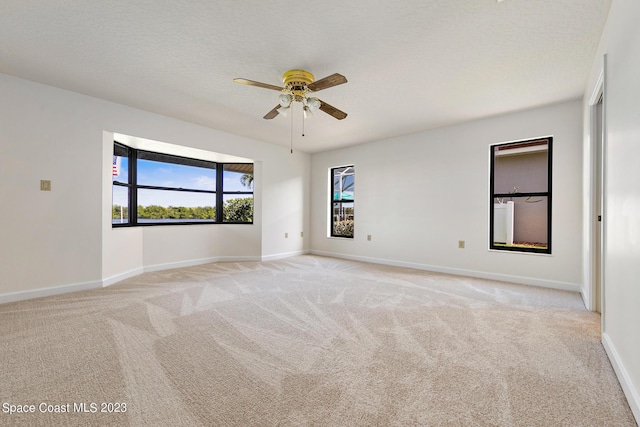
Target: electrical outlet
[(45, 185), (369, 237), (461, 244), (286, 235), (302, 234)]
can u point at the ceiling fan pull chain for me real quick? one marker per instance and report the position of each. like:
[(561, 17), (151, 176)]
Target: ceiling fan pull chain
[(291, 132), (302, 122)]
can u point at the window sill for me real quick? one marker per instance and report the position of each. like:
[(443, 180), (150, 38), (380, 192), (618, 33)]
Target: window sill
[(519, 252)]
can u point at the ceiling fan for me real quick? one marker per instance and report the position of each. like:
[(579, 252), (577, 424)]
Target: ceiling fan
[(297, 87)]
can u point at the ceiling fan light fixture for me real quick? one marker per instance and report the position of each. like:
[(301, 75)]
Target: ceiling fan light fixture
[(307, 112), (284, 111), (285, 100), (313, 104)]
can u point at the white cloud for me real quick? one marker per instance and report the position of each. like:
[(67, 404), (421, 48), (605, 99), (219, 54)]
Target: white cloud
[(205, 182)]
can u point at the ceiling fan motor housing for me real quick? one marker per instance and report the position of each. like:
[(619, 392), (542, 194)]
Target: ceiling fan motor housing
[(295, 83)]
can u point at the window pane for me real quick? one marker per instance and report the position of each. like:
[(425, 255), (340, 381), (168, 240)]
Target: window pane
[(161, 174), (120, 205), (521, 222), (175, 206), (120, 169), (521, 167), (238, 177), (238, 208), (342, 214), (342, 205), (343, 183)]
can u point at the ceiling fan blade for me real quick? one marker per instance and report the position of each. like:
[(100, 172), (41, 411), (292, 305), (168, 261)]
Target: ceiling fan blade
[(273, 113), (329, 81), (258, 84), (332, 111)]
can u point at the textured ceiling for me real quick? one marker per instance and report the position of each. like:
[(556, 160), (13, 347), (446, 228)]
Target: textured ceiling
[(412, 65)]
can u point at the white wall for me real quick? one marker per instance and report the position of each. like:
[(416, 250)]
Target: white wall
[(621, 302), (418, 195), (62, 240)]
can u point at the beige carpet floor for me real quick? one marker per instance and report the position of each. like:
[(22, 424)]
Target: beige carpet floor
[(307, 341)]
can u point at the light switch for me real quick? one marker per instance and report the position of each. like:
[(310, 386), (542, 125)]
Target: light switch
[(45, 185)]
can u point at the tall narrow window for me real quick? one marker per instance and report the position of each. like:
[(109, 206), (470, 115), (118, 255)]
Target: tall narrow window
[(520, 214), (238, 192), (121, 185), (342, 201)]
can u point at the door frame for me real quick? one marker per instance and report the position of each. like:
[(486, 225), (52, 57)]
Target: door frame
[(597, 196)]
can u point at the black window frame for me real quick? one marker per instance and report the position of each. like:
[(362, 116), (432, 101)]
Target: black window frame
[(222, 192), (333, 201), (122, 150), (548, 194), (134, 154)]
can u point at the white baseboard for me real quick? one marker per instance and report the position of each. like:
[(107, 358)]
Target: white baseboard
[(631, 393), (47, 292), (585, 299), (179, 264), (191, 263), (458, 271), (63, 289), (239, 259), (37, 293), (284, 255), (121, 276)]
